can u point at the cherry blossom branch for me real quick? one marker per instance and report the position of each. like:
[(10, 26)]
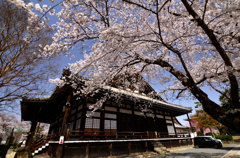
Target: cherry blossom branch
[(139, 5), (204, 11), (217, 45)]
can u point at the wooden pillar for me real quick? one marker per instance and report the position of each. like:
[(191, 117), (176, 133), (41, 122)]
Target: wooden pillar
[(134, 119), (110, 149), (83, 117), (87, 151), (155, 122), (60, 149), (118, 117), (146, 146), (62, 133), (102, 118), (190, 124), (67, 134), (129, 147), (174, 125), (31, 133), (155, 113), (75, 116), (164, 117)]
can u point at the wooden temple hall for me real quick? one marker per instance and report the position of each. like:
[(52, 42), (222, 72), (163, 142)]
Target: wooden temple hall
[(116, 128)]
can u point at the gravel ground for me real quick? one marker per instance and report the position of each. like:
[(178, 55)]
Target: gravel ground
[(179, 153)]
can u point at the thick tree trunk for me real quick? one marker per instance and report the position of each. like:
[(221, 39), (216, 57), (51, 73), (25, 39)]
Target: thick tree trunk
[(231, 120), (31, 133)]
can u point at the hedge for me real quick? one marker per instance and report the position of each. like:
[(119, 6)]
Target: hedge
[(224, 137)]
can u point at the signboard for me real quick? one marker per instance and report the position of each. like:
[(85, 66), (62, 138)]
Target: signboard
[(61, 139)]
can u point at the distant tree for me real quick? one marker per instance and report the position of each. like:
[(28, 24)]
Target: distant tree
[(202, 120), (10, 121), (12, 129), (7, 122), (23, 70), (41, 129)]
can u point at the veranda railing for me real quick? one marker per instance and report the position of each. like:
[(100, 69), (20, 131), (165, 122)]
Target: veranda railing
[(84, 135)]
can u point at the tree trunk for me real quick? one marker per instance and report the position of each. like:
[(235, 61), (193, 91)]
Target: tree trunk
[(31, 134), (231, 120)]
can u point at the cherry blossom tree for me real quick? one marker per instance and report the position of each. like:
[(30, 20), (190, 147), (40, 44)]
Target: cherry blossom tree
[(201, 120), (183, 45), (10, 121)]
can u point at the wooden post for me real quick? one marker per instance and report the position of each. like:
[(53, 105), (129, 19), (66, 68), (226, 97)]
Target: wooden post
[(33, 146), (60, 149), (164, 117), (67, 134), (62, 133), (170, 142), (129, 147), (190, 123), (87, 151), (102, 119), (31, 133), (110, 149), (146, 146), (83, 117), (174, 125)]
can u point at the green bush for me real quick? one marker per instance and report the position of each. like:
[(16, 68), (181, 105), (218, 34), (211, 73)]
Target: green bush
[(224, 137), (209, 134), (199, 133)]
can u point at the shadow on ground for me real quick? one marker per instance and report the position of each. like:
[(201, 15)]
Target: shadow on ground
[(190, 155)]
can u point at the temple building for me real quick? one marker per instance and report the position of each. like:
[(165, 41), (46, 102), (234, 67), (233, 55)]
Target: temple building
[(131, 119)]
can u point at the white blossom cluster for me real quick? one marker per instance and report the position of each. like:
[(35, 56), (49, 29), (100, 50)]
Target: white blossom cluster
[(10, 121)]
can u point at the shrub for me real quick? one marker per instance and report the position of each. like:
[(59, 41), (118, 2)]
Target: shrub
[(209, 134), (199, 133), (224, 137)]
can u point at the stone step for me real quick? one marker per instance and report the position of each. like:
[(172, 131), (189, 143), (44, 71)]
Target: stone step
[(160, 148), (41, 150), (159, 151), (158, 145)]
